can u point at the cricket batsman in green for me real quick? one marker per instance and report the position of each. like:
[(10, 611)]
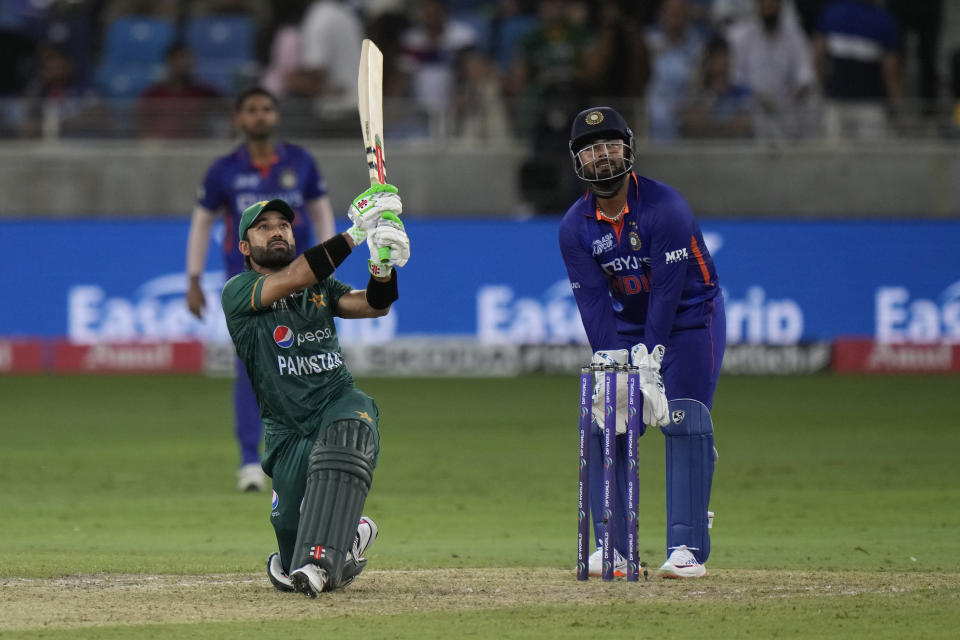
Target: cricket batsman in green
[(321, 433)]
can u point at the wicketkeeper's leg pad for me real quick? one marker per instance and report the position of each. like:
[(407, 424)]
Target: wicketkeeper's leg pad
[(339, 474), (689, 467)]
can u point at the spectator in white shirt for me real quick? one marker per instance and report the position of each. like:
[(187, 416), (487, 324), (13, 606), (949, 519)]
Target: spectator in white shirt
[(772, 57)]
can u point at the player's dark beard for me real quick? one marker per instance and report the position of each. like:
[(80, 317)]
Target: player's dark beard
[(273, 258), (609, 167)]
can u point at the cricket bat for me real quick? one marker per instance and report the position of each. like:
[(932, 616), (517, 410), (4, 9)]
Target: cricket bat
[(370, 106)]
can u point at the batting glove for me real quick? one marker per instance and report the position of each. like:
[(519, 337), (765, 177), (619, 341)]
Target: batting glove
[(367, 208), (655, 408), (389, 234)]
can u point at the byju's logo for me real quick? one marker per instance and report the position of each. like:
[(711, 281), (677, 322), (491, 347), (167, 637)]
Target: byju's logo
[(283, 336)]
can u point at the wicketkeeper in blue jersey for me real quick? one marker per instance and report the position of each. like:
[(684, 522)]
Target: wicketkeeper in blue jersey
[(647, 292)]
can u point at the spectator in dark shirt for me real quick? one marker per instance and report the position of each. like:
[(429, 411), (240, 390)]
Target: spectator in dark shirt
[(56, 101), (856, 52), (719, 108), (179, 106), (924, 19)]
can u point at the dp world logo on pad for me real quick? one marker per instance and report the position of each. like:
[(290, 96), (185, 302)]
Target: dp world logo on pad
[(283, 336)]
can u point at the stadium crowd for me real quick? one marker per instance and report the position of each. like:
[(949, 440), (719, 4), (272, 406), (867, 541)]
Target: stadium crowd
[(483, 69)]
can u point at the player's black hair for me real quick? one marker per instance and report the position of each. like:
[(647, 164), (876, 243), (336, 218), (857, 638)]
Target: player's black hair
[(253, 91)]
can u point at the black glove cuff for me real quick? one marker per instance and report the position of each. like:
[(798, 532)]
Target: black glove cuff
[(381, 295), (327, 256)]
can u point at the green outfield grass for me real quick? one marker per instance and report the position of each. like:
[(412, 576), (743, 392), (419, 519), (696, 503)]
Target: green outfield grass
[(109, 475)]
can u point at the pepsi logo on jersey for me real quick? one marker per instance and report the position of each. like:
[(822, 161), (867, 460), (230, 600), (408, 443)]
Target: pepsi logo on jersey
[(283, 336)]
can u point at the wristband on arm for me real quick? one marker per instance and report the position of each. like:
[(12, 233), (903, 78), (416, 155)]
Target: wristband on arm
[(381, 295), (327, 256)]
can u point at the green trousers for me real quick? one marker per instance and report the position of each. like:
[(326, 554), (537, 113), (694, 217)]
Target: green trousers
[(286, 454)]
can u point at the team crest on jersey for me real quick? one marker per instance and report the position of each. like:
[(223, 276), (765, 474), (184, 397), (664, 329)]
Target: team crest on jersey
[(288, 179), (283, 336), (634, 240)]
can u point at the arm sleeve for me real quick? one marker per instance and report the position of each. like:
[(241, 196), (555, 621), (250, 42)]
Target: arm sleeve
[(334, 289), (669, 252), (315, 186), (211, 195), (590, 290)]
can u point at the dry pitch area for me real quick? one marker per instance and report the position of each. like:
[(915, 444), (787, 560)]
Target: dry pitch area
[(94, 600)]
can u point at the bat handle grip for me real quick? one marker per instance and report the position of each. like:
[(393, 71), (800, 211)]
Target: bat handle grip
[(384, 255)]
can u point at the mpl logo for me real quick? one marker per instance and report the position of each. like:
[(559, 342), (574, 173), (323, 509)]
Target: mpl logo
[(676, 255), (283, 336)]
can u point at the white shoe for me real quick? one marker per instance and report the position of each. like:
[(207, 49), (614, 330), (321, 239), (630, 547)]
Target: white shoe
[(682, 564), (367, 531), (354, 563), (596, 564), (309, 579), (278, 578), (250, 477)]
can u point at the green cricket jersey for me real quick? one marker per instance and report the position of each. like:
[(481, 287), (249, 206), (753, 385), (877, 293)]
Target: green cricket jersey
[(290, 349)]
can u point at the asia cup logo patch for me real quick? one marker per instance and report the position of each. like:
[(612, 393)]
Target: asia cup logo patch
[(275, 502), (283, 336)]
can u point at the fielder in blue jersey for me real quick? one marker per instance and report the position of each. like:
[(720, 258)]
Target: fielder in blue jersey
[(262, 168), (647, 291)]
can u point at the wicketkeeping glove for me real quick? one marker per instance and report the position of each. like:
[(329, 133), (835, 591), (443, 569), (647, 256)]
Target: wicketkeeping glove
[(368, 207), (389, 238), (655, 409), (614, 356)]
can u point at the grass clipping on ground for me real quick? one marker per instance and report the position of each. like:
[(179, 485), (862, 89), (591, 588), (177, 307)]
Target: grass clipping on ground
[(110, 599)]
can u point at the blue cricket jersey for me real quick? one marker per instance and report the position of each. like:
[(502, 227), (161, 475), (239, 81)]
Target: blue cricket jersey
[(233, 183), (643, 278)]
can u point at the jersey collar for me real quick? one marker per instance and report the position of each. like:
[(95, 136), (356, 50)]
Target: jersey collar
[(596, 209)]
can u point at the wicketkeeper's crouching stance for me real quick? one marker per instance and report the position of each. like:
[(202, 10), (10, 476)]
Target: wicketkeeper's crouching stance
[(322, 437)]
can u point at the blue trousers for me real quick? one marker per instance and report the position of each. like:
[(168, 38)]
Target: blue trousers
[(249, 429)]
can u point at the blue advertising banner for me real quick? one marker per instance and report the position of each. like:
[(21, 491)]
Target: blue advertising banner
[(497, 281)]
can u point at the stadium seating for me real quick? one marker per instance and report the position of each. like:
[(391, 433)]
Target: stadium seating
[(221, 37), (137, 40), (224, 49), (227, 76), (120, 80)]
